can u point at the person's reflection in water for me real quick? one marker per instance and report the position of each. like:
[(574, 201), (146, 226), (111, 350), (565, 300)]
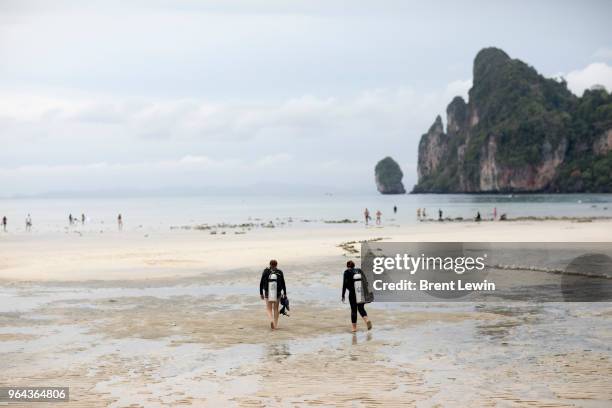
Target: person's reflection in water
[(355, 341), (278, 352)]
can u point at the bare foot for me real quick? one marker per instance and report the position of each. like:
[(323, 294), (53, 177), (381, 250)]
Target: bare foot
[(369, 323)]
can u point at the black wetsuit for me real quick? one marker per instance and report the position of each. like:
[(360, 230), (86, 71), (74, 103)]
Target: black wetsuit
[(280, 283), (349, 284)]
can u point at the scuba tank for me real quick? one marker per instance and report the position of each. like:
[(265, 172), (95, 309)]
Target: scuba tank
[(272, 287), (358, 283)]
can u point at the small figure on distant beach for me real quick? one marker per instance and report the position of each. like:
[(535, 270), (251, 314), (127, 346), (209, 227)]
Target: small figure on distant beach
[(28, 222), (120, 222), (419, 213), (366, 215), (395, 209), (478, 218), (70, 219), (494, 213), (439, 214), (4, 223), (423, 212), (355, 282), (378, 215), (271, 288), (83, 218)]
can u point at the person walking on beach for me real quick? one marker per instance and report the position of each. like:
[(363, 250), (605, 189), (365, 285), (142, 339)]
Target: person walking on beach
[(120, 222), (359, 294), (439, 214), (4, 223), (395, 209), (419, 213), (366, 215), (478, 218), (378, 215), (83, 218), (28, 222), (271, 285), (70, 219)]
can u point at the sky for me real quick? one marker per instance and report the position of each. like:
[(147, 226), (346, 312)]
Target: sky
[(149, 95)]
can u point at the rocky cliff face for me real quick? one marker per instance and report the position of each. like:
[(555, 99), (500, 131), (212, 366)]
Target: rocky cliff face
[(434, 148), (519, 132), (388, 177), (603, 144)]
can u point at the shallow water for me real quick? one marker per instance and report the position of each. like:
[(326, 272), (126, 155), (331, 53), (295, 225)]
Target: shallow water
[(164, 212), (453, 358)]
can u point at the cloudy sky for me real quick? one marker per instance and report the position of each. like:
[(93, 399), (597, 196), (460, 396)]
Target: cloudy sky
[(184, 94)]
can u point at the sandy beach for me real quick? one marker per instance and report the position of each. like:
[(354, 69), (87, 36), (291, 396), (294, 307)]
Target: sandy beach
[(139, 254), (169, 318)]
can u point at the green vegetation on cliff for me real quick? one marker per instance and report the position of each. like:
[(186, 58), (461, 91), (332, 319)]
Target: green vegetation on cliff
[(519, 132), (585, 169), (388, 176)]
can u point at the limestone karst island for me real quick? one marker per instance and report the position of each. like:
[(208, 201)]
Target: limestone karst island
[(388, 176), (518, 132)]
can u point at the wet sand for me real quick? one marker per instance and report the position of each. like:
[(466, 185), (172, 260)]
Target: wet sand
[(141, 254), (172, 319)]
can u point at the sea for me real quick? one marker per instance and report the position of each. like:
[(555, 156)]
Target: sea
[(52, 214)]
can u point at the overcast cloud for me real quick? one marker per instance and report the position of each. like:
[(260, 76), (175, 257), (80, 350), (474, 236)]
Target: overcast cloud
[(195, 94)]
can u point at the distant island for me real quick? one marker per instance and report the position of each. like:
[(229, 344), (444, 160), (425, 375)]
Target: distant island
[(519, 132), (388, 176)]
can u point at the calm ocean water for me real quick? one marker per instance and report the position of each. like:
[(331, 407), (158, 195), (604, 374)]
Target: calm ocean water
[(163, 212)]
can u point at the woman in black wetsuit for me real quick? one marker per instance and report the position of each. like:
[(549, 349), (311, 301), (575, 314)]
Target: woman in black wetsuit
[(272, 300), (348, 284)]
